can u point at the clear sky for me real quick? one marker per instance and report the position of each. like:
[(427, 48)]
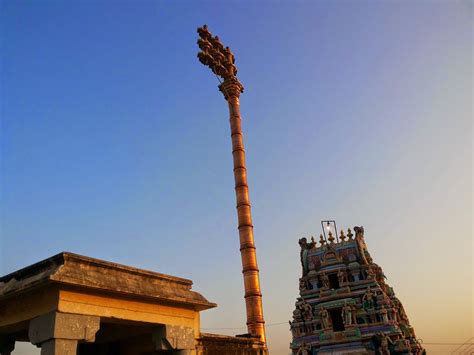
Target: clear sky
[(115, 144)]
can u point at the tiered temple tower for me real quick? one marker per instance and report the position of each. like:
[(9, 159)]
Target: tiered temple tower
[(345, 306)]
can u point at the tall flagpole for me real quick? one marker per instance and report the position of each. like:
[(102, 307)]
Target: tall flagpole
[(221, 61)]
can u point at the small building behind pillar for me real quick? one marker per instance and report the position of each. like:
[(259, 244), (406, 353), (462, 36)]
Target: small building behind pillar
[(70, 304)]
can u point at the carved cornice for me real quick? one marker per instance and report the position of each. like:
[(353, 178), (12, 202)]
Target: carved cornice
[(231, 87)]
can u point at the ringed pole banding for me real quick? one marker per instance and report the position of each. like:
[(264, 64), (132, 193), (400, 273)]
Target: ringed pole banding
[(221, 61)]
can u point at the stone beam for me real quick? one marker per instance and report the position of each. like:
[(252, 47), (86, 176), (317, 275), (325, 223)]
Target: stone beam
[(58, 333)]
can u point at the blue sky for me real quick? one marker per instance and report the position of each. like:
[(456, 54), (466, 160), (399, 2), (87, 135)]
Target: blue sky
[(115, 144)]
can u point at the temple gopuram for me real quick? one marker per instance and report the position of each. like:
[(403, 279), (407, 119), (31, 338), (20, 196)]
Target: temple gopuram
[(345, 306)]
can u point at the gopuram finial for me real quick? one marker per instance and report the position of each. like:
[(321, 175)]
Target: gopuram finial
[(342, 236), (321, 240), (349, 234), (331, 238)]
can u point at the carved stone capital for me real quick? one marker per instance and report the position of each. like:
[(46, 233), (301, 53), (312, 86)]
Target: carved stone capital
[(67, 326), (231, 87), (172, 337)]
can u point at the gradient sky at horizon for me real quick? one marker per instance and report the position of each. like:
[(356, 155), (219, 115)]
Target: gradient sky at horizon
[(115, 144)]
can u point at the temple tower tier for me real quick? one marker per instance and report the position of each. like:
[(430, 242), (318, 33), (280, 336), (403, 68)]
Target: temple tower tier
[(344, 304)]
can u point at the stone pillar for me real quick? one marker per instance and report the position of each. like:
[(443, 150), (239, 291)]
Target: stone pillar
[(59, 347), (7, 344), (58, 333)]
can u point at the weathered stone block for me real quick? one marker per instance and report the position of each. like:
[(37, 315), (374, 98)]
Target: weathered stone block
[(56, 325), (59, 347), (170, 337)]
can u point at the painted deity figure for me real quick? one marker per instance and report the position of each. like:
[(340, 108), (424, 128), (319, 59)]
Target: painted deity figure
[(385, 298), (402, 344), (297, 313), (383, 314), (307, 311), (303, 242), (354, 313), (342, 276), (325, 280), (368, 299), (303, 349), (361, 246), (394, 312), (347, 314), (406, 343), (401, 315), (302, 285), (370, 274), (324, 315), (384, 341)]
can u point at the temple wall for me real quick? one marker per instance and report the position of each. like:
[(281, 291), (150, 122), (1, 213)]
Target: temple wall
[(213, 344)]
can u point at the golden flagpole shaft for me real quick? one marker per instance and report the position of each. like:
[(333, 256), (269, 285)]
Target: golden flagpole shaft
[(253, 295)]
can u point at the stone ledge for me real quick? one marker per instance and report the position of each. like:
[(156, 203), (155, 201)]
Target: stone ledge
[(82, 271)]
